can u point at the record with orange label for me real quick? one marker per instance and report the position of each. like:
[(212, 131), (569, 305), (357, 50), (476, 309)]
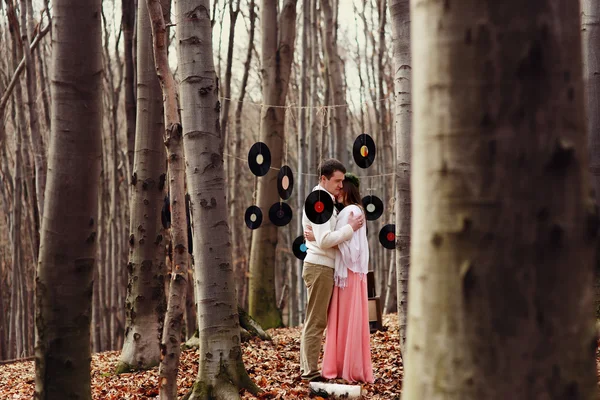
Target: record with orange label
[(285, 182), (253, 217), (387, 236), (364, 151), (299, 248), (373, 207), (280, 213), (318, 206), (259, 159)]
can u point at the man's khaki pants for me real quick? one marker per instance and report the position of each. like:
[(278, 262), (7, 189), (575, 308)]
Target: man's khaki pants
[(319, 284)]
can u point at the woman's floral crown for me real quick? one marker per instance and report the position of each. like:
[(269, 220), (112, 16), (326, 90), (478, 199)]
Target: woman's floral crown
[(353, 179)]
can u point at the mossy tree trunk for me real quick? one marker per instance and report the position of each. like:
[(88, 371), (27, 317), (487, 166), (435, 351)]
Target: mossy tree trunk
[(145, 304), (68, 238), (221, 369), (277, 48), (504, 230)]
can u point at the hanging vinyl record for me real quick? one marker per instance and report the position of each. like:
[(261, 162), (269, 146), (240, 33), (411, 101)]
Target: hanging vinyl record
[(259, 159), (253, 217), (318, 206), (299, 248), (285, 182), (280, 214), (373, 207), (387, 236), (364, 151)]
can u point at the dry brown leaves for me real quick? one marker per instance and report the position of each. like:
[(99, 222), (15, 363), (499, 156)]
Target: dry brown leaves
[(273, 366)]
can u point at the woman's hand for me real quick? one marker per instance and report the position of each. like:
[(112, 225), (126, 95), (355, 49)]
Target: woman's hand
[(309, 236)]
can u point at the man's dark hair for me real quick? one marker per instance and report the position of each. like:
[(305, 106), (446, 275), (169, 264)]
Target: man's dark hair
[(329, 166)]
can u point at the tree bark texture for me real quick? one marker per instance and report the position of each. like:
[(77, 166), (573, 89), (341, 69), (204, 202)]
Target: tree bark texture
[(127, 26), (171, 338), (67, 255), (221, 371), (146, 303), (504, 230), (590, 20), (277, 44), (400, 18)]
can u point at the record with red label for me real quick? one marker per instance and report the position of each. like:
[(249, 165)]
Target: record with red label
[(318, 206), (253, 217), (299, 248), (387, 236), (280, 214), (364, 151), (373, 207), (285, 182), (259, 159)]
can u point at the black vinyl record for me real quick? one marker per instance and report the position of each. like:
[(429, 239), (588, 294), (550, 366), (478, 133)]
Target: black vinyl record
[(285, 182), (280, 214), (253, 217), (364, 151), (387, 236), (373, 207), (259, 159), (299, 248), (318, 206)]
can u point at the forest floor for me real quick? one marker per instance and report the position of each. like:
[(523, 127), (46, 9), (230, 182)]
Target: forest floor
[(273, 365)]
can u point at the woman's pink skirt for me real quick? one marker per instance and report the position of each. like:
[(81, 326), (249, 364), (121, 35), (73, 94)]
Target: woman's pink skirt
[(347, 349)]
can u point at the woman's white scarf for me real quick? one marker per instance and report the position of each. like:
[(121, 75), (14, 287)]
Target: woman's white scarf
[(352, 254)]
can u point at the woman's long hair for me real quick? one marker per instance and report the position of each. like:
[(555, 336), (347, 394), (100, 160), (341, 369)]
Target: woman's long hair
[(351, 192)]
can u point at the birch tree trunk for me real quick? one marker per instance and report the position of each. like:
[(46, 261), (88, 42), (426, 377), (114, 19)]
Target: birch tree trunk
[(68, 247), (171, 338), (221, 370), (146, 304), (336, 81), (503, 232), (277, 44), (590, 19), (400, 15)]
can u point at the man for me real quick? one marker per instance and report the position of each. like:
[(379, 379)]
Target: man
[(319, 266)]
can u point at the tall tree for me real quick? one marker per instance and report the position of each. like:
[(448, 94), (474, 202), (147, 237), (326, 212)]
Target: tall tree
[(335, 74), (146, 303), (68, 246), (503, 231), (128, 22), (221, 370), (277, 45), (590, 20), (399, 12), (171, 338)]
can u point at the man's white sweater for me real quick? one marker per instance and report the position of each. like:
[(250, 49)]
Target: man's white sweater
[(322, 250)]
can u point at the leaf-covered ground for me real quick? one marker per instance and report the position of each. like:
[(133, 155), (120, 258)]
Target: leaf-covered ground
[(274, 366)]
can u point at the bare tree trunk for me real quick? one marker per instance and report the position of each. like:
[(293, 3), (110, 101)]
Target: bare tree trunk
[(336, 82), (127, 26), (171, 338), (590, 19), (508, 314), (233, 14), (400, 15), (221, 370), (237, 230), (278, 34), (68, 246), (146, 303)]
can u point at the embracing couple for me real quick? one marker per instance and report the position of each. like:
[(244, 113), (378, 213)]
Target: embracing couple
[(335, 273)]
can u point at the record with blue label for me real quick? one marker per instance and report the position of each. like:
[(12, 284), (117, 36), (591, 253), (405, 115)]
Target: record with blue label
[(299, 248)]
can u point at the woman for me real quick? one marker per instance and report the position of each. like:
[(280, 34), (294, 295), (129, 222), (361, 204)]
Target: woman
[(347, 351)]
